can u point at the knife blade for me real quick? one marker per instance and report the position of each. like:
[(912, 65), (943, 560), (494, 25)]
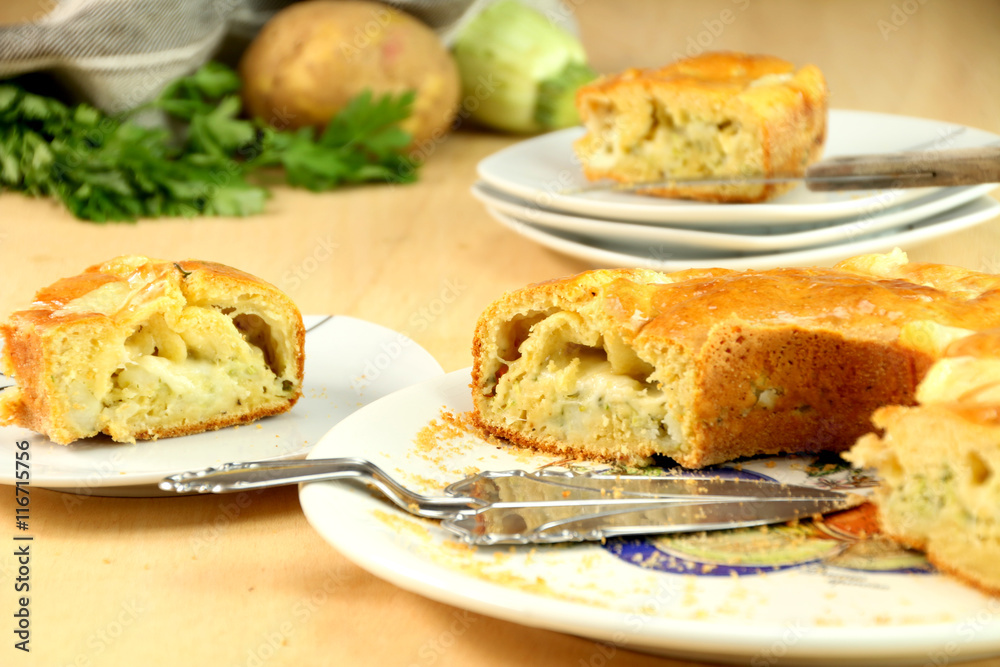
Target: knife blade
[(546, 506), (908, 169), (542, 524)]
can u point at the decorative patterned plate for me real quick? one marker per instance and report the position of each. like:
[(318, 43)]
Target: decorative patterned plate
[(830, 593)]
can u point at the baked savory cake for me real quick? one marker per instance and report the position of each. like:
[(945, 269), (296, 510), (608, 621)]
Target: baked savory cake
[(705, 366), (139, 348), (939, 462), (715, 115)]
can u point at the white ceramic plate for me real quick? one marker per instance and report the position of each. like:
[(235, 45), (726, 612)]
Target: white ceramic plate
[(801, 595), (693, 242), (541, 169), (349, 363), (665, 257)]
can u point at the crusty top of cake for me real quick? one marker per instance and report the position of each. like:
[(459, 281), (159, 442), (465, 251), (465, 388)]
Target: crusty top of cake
[(982, 345), (880, 293), (966, 378), (716, 73), (734, 70), (119, 286)]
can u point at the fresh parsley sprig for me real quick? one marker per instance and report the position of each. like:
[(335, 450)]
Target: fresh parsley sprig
[(362, 143), (109, 168)]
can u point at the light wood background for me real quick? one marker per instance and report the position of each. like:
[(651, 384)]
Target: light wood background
[(124, 566)]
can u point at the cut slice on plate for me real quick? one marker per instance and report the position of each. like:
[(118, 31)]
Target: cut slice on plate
[(139, 348), (714, 115)]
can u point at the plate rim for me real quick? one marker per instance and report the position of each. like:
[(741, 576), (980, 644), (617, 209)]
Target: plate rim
[(715, 237), (598, 256)]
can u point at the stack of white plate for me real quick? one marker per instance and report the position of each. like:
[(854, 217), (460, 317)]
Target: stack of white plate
[(529, 187)]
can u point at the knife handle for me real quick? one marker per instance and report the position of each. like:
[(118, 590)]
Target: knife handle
[(916, 169), (238, 476)]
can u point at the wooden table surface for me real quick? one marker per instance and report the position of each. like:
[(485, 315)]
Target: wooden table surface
[(115, 581)]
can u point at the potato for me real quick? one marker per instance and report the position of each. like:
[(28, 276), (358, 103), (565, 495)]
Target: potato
[(311, 58)]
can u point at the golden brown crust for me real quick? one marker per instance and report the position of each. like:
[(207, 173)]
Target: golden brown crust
[(719, 73), (66, 350), (714, 115)]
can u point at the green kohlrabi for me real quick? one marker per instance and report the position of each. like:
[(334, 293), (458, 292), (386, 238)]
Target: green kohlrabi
[(519, 70)]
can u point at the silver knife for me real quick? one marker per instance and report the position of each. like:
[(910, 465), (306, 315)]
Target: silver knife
[(517, 507), (911, 169)]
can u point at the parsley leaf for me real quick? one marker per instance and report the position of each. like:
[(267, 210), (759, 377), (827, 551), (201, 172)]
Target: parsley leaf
[(106, 168)]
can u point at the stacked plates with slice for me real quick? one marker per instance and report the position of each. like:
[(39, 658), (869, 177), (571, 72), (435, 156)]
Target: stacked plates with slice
[(536, 188)]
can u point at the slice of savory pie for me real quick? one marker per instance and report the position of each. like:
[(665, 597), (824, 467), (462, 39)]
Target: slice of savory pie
[(714, 115), (705, 366), (939, 463), (139, 348)]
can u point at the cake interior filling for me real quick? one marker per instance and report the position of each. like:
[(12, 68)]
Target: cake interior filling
[(562, 379), (959, 491), (671, 142), (962, 487), (210, 361)]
